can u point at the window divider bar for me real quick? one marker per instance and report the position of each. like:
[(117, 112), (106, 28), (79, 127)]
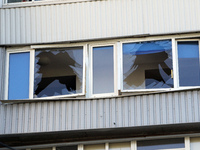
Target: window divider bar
[(53, 148), (31, 76), (106, 146), (175, 63), (187, 143), (80, 147), (119, 65), (133, 145)]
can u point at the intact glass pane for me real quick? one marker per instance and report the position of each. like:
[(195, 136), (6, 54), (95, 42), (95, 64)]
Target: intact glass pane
[(161, 144), (103, 70), (188, 63), (94, 147), (147, 65), (58, 72), (120, 146), (67, 148), (18, 84), (16, 1), (195, 143)]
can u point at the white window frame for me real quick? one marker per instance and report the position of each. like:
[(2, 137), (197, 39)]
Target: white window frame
[(31, 72), (115, 93), (176, 65), (31, 69)]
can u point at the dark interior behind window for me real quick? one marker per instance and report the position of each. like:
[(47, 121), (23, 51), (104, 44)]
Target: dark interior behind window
[(58, 71), (147, 65), (161, 144)]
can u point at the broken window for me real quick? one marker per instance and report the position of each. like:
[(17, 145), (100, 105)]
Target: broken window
[(58, 72), (188, 63), (147, 65)]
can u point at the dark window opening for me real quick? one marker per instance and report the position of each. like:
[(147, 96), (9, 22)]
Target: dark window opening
[(147, 65), (161, 144), (58, 72), (67, 148)]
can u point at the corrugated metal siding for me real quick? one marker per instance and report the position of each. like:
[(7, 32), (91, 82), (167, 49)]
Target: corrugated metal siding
[(154, 109), (2, 70), (97, 19)]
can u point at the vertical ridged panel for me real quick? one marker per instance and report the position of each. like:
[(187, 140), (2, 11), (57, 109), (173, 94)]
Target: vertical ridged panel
[(97, 19), (2, 70), (3, 119), (153, 109)]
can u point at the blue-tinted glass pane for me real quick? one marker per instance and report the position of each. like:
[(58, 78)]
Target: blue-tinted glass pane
[(58, 72), (160, 144), (188, 62), (18, 87), (103, 70), (147, 65)]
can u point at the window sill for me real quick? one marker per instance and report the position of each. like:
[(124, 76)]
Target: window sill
[(157, 91), (80, 97), (39, 3)]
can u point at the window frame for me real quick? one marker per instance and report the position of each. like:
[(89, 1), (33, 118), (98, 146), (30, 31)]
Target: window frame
[(176, 84), (115, 71), (175, 64), (121, 62), (87, 82), (32, 68)]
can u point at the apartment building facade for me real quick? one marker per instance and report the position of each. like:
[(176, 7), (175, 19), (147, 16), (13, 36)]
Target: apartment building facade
[(100, 74)]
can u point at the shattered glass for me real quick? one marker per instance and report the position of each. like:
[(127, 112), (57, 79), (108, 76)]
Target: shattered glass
[(58, 71), (147, 65)]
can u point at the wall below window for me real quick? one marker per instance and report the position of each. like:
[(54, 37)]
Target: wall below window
[(131, 111)]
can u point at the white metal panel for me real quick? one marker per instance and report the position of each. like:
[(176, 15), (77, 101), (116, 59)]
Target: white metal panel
[(8, 122), (26, 118), (32, 117), (63, 115), (20, 121), (38, 117), (153, 109), (44, 118), (3, 118), (13, 25), (14, 119), (18, 26), (97, 19), (132, 111)]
